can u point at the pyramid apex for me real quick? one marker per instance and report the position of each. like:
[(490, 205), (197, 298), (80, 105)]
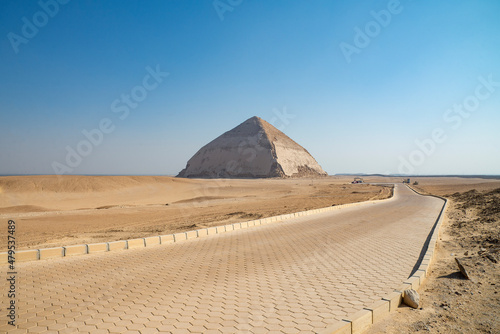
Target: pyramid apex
[(254, 118)]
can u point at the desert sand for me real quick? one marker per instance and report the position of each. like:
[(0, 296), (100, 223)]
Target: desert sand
[(65, 210)]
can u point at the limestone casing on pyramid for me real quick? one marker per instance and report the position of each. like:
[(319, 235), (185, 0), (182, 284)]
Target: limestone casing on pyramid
[(253, 149)]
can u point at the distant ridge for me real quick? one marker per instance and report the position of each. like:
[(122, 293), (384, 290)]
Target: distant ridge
[(253, 149), (412, 175)]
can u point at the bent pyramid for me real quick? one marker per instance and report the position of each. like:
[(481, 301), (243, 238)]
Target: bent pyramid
[(253, 149)]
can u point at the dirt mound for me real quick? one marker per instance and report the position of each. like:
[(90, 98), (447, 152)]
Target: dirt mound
[(199, 199), (487, 204), (23, 209), (494, 192)]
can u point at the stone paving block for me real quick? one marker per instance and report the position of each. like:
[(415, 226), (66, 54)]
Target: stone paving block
[(427, 257), (424, 268), (212, 230), (379, 310), (414, 282), (236, 226), (431, 250), (117, 245), (96, 248), (229, 227), (135, 243), (165, 239), (221, 229), (340, 327), (394, 299), (152, 241), (425, 263), (421, 274), (202, 232), (191, 234), (75, 250), (244, 225), (48, 253), (360, 321), (27, 255), (180, 236)]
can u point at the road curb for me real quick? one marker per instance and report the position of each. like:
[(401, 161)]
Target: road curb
[(361, 321), (74, 250)]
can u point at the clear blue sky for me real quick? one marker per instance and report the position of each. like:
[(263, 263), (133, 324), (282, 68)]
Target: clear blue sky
[(360, 101)]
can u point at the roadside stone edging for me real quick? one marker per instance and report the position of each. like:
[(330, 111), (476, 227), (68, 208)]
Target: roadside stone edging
[(72, 250), (360, 321)]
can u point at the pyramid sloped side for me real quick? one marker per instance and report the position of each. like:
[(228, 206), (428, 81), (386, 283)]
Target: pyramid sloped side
[(296, 162), (292, 158)]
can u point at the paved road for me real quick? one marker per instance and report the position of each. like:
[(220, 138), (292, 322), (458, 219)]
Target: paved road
[(297, 276)]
